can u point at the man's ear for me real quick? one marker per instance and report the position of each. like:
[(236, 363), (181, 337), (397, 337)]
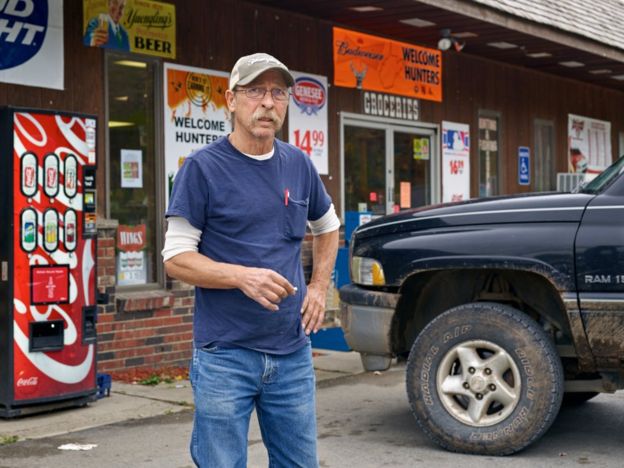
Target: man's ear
[(230, 99)]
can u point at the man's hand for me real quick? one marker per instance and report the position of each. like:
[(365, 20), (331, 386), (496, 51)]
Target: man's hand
[(265, 286), (313, 309)]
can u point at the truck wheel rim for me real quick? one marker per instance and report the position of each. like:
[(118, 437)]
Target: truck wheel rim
[(478, 383)]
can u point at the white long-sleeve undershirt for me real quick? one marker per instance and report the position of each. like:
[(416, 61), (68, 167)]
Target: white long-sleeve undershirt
[(182, 237)]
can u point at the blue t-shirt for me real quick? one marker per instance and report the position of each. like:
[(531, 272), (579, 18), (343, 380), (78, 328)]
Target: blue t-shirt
[(239, 205)]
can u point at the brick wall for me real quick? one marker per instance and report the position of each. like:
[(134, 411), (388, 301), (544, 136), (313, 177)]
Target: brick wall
[(149, 328)]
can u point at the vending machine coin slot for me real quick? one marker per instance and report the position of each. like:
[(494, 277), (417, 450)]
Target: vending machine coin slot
[(89, 319), (46, 336)]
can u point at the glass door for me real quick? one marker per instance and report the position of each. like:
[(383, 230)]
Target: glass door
[(412, 170), (387, 166), (365, 169)]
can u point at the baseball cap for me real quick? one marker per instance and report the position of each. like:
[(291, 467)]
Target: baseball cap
[(249, 67)]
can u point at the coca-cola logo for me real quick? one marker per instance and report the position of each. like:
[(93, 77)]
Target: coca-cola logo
[(28, 382)]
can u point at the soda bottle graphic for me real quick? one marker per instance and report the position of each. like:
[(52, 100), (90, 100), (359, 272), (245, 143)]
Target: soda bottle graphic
[(29, 232), (29, 174), (50, 228), (70, 230), (29, 229)]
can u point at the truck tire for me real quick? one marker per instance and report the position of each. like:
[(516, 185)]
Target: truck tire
[(484, 378)]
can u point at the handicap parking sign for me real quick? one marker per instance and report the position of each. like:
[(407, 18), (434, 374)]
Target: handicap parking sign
[(524, 165)]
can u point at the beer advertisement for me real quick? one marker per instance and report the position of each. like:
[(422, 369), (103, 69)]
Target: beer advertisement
[(455, 161), (195, 113), (374, 63), (141, 26), (31, 41), (307, 118)]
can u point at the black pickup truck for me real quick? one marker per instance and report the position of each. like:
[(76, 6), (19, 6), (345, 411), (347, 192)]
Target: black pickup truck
[(503, 307)]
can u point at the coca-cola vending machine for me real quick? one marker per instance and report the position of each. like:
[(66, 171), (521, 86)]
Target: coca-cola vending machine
[(48, 260)]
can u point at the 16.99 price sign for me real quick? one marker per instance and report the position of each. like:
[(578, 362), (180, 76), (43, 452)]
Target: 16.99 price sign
[(307, 118)]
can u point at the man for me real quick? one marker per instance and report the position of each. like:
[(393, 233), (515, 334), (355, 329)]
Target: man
[(105, 30), (236, 219)]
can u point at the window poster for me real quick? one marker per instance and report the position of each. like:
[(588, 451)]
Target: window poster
[(195, 113), (131, 168), (307, 118), (589, 144), (455, 162), (131, 258)]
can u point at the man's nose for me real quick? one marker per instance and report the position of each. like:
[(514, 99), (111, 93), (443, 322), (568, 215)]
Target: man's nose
[(267, 99)]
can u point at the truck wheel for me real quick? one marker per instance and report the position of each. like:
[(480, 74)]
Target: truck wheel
[(484, 378)]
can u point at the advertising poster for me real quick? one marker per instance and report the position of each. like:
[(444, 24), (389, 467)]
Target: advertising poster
[(589, 144), (307, 118), (131, 168), (31, 41), (131, 262), (374, 63), (455, 162), (142, 26), (195, 113)]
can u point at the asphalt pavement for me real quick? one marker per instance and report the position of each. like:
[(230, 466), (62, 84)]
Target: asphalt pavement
[(134, 402)]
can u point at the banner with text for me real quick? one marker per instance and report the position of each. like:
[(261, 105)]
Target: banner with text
[(142, 26), (377, 64), (307, 118), (31, 41), (455, 161), (589, 144), (195, 113)]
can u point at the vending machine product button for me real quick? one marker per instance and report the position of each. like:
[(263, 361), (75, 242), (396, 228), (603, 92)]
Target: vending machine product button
[(50, 175)]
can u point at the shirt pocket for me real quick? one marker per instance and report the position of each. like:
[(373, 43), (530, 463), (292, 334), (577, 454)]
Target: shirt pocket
[(295, 218)]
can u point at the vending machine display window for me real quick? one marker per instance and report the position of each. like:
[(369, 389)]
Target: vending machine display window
[(28, 230), (50, 229), (28, 170), (69, 229), (70, 176), (50, 175)]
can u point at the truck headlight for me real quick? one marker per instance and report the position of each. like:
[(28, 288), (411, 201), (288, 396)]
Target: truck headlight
[(367, 271)]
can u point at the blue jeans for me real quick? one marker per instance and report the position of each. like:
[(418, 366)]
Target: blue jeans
[(229, 383)]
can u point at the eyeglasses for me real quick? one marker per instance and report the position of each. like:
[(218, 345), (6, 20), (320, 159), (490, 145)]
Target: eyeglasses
[(257, 94)]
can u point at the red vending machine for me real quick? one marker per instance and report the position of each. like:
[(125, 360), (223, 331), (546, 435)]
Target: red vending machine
[(48, 260)]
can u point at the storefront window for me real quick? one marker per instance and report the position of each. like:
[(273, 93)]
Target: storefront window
[(489, 131), (132, 166)]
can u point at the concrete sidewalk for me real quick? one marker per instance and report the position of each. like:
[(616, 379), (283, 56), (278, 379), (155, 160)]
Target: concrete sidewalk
[(128, 401)]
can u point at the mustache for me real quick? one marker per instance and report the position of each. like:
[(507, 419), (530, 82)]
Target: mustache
[(266, 115)]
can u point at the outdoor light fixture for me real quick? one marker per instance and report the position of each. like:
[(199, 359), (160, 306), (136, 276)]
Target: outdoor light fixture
[(447, 41)]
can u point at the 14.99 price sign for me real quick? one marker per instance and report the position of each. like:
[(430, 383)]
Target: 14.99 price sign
[(307, 118)]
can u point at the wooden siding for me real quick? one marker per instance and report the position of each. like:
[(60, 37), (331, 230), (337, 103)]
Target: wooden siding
[(213, 34)]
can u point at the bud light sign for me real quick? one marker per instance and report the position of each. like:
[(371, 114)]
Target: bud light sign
[(23, 25), (31, 41), (309, 95)]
